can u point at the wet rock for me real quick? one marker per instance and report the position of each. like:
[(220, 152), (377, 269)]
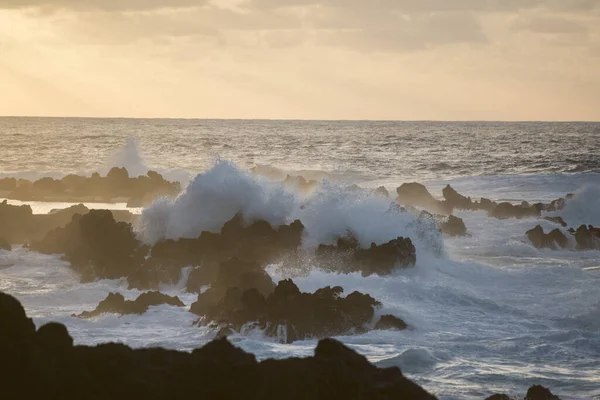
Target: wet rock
[(557, 220), (457, 200), (587, 237), (498, 396), (47, 365), (390, 322), (553, 240), (453, 226), (115, 303), (347, 256), (382, 191), (290, 314)]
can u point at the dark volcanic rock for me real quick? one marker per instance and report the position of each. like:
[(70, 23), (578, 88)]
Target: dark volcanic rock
[(587, 237), (288, 313), (390, 322), (4, 245), (453, 226), (380, 260), (538, 392), (552, 240), (96, 245), (116, 303), (457, 200), (45, 364)]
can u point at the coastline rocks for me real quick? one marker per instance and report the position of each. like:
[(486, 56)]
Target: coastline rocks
[(289, 314), (390, 322), (377, 259), (45, 364), (457, 200), (138, 191), (552, 240), (116, 303), (453, 226)]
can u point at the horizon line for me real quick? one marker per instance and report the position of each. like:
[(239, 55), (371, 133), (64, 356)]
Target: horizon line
[(307, 120)]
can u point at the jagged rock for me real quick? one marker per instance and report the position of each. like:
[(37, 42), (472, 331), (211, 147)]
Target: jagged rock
[(498, 396), (587, 237), (116, 303), (45, 364), (417, 195), (557, 220), (380, 260), (457, 200), (552, 240), (299, 315), (390, 322), (453, 226), (4, 245)]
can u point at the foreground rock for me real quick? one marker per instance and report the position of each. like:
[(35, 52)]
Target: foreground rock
[(116, 303), (116, 186), (587, 237), (347, 256), (45, 364), (291, 315), (416, 195)]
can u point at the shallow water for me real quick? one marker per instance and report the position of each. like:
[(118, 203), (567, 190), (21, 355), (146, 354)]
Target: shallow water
[(489, 313)]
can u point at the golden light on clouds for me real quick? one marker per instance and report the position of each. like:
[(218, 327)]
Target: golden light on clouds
[(313, 59)]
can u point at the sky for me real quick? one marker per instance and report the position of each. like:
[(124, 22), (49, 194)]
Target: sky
[(302, 59)]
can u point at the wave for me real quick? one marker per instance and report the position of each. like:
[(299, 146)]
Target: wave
[(583, 208), (330, 212)]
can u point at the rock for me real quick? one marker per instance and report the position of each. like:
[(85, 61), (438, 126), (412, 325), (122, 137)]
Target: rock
[(587, 237), (557, 220), (4, 245), (382, 191), (47, 365), (507, 210), (288, 313), (498, 396), (537, 392), (390, 322), (552, 240), (116, 303), (457, 200), (96, 245), (453, 226), (417, 195)]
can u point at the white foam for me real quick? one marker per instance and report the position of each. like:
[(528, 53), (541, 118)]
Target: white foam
[(584, 208)]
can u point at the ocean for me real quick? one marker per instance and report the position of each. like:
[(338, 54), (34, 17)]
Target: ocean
[(486, 313)]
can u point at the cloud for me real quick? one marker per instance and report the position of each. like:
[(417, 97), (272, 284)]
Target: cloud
[(550, 25), (104, 5)]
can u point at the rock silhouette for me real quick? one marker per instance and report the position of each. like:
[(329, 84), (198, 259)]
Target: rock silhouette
[(116, 303), (553, 240), (45, 364)]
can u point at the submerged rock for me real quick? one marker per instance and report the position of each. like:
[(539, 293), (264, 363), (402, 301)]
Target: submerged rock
[(116, 303), (45, 364), (587, 237), (557, 220), (507, 210)]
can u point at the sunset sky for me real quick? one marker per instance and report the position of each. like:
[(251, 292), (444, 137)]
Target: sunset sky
[(305, 59)]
